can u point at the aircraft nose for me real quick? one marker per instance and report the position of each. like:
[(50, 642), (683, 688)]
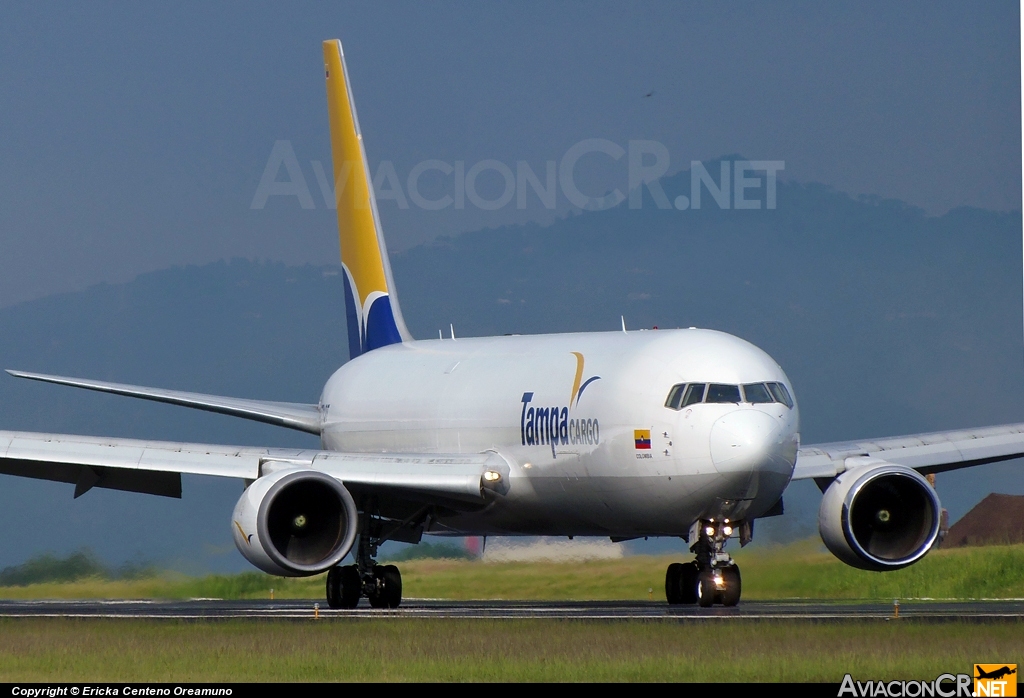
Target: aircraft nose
[(748, 440)]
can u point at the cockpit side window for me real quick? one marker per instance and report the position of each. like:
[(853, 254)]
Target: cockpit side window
[(757, 393), (780, 394), (694, 394), (723, 393), (675, 395), (685, 394)]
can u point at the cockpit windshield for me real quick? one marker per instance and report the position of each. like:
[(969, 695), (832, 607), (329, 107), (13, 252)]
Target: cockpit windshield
[(685, 394), (718, 392), (757, 393)]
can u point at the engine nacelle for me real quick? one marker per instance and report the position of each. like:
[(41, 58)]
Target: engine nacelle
[(879, 516), (295, 522)]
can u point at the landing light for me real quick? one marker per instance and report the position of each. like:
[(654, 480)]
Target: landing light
[(710, 530), (727, 530), (492, 476)]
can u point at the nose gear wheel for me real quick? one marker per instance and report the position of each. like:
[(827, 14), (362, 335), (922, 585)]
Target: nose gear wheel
[(712, 577)]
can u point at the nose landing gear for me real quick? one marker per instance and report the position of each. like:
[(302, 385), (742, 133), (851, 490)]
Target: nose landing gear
[(713, 577), (719, 585)]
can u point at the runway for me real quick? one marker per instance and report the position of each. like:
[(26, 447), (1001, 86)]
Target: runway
[(211, 609)]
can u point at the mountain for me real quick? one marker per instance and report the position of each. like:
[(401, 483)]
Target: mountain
[(887, 321)]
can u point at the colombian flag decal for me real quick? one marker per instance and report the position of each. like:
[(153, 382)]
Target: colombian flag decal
[(642, 437)]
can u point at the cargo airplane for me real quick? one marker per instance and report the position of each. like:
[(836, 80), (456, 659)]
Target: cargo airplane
[(689, 433)]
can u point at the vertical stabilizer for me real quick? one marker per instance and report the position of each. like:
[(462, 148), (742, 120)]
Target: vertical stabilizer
[(374, 318)]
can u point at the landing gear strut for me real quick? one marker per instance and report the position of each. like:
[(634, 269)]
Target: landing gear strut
[(380, 584), (713, 577)]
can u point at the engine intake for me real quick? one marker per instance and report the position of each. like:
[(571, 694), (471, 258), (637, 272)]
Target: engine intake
[(879, 516), (295, 522)]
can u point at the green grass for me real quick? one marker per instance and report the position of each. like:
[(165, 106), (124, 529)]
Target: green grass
[(803, 570), (486, 650), (799, 570)]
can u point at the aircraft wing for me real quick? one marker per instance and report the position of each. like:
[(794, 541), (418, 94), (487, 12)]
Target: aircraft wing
[(934, 452), (283, 414), (155, 467)]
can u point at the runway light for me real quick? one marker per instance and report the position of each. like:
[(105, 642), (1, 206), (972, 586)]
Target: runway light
[(492, 476)]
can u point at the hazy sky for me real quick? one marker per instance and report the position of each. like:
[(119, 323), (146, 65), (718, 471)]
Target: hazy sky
[(134, 136)]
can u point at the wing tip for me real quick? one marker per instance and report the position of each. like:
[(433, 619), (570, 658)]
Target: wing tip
[(22, 374)]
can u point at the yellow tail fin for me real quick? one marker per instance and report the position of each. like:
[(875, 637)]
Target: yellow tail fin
[(374, 318)]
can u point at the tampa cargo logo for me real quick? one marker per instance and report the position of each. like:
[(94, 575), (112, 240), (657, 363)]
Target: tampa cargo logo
[(540, 426)]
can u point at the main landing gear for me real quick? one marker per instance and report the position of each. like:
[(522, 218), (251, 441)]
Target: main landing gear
[(380, 584), (713, 577)]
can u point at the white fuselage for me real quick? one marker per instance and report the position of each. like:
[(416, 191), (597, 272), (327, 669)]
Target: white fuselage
[(587, 470)]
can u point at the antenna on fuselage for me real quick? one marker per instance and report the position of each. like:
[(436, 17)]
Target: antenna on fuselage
[(452, 326), (623, 322)]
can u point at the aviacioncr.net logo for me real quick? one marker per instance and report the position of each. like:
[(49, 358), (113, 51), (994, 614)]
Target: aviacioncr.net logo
[(995, 680), (944, 686)]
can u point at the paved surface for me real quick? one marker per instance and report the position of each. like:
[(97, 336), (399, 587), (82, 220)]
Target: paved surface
[(594, 610)]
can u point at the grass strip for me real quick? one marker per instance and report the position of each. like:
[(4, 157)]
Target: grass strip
[(487, 650)]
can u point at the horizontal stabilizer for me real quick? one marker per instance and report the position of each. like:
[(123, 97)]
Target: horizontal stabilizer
[(283, 414)]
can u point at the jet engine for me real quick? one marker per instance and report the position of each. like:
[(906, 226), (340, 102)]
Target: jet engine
[(295, 522), (879, 516)]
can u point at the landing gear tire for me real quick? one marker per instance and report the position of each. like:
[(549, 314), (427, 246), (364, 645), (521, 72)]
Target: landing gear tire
[(393, 583), (706, 591), (681, 583), (673, 583), (332, 589), (343, 587), (731, 593), (688, 583), (387, 591)]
